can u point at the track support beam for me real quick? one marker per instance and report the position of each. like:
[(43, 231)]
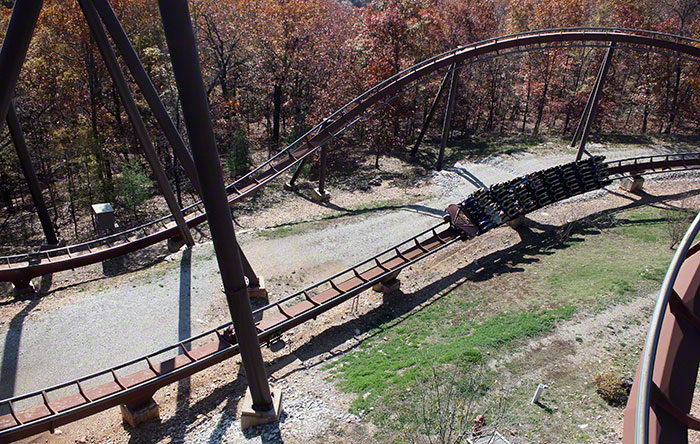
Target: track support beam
[(25, 14), (291, 185), (179, 34), (25, 162), (592, 104), (93, 20), (431, 113), (121, 40), (320, 194), (452, 98)]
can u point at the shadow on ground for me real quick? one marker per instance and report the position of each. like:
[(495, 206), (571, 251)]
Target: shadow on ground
[(537, 240)]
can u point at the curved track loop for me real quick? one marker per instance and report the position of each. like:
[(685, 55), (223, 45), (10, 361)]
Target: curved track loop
[(661, 400), (136, 381), (23, 267)]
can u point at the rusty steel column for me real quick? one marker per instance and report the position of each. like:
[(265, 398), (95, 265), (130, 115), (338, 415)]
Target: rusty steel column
[(25, 162), (253, 279), (190, 84), (15, 44), (587, 108), (431, 113), (93, 21), (454, 83), (322, 169), (290, 185), (133, 62), (594, 104)]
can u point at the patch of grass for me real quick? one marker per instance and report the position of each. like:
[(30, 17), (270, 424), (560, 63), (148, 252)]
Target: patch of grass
[(398, 358), (645, 225), (592, 270), (619, 263)]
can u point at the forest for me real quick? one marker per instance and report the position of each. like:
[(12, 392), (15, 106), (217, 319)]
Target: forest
[(275, 68)]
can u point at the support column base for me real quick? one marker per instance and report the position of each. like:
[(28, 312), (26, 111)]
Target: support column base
[(44, 247), (259, 292), (388, 286), (175, 243), (632, 184), (23, 289), (317, 196), (290, 186), (251, 417), (140, 414), (517, 222)]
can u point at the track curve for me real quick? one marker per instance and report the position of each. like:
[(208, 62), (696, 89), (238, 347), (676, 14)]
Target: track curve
[(137, 380), (20, 268)]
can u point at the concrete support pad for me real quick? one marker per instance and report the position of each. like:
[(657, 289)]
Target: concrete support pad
[(23, 289), (175, 243), (317, 196), (387, 287), (259, 292), (632, 184), (517, 222), (250, 417), (289, 186), (44, 247), (140, 414)]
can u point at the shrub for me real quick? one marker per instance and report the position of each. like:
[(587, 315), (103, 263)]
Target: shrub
[(133, 186), (238, 154), (613, 389), (677, 223)]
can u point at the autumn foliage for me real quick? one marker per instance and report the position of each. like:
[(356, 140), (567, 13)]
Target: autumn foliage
[(274, 68)]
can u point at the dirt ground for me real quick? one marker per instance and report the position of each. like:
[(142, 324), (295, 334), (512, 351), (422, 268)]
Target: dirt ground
[(204, 408)]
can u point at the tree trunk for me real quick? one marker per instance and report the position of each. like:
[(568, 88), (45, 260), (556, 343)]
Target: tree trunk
[(276, 113)]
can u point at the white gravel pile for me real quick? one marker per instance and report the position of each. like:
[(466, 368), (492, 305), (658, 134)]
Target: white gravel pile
[(305, 415)]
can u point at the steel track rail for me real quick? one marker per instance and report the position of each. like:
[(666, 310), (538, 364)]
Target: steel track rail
[(138, 379), (20, 268)]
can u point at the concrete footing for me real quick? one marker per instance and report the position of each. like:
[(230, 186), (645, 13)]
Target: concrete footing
[(517, 222), (175, 243), (251, 417), (23, 289), (290, 186), (140, 414), (388, 286), (317, 196), (259, 292), (632, 184)]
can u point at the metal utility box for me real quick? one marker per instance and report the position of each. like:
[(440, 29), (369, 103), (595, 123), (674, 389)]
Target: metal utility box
[(103, 214)]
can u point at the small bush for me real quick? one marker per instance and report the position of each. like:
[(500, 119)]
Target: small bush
[(677, 223), (238, 154), (613, 389), (133, 186)]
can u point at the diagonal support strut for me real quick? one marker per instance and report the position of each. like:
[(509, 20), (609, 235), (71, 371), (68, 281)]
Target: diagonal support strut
[(431, 113), (592, 105), (133, 62), (25, 162), (454, 85), (132, 111)]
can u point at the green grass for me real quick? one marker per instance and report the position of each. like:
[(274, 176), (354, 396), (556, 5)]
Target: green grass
[(396, 360), (594, 269)]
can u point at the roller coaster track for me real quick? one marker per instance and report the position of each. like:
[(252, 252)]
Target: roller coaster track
[(137, 380), (20, 268)]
